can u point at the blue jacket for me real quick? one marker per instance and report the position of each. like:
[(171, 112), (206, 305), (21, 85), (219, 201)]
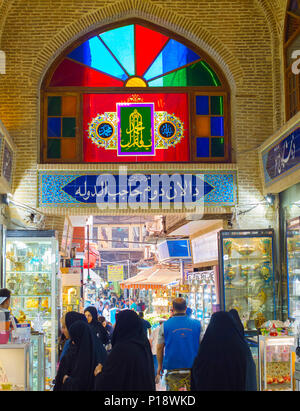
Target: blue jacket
[(182, 339)]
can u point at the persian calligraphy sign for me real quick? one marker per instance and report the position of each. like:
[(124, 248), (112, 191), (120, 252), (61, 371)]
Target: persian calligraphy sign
[(62, 188), (135, 129), (282, 157)]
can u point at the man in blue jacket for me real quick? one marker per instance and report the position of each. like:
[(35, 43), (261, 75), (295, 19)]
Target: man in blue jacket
[(177, 347)]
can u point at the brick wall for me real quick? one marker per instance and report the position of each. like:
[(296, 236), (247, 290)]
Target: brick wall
[(243, 36)]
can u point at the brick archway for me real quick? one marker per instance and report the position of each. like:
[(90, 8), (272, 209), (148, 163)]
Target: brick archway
[(144, 10)]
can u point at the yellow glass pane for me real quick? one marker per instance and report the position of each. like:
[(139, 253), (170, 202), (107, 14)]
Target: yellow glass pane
[(69, 106), (202, 126), (136, 82), (68, 149)]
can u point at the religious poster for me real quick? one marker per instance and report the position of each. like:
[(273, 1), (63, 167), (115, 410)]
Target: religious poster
[(136, 127)]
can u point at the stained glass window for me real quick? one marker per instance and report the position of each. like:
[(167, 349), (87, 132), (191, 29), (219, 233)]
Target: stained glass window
[(111, 58), (210, 128), (84, 92), (61, 127)]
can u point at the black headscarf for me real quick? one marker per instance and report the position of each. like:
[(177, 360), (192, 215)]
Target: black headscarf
[(129, 366), (73, 316), (67, 359), (236, 318), (221, 363), (100, 331), (81, 376), (97, 331)]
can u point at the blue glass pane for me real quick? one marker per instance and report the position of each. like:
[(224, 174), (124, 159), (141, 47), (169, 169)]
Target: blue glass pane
[(202, 147), (217, 126), (202, 105), (121, 43), (54, 127), (93, 53), (173, 56)]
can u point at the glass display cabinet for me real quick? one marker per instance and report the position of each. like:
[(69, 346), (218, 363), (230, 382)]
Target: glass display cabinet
[(15, 367), (37, 355), (31, 267), (277, 363), (246, 262), (251, 337), (293, 267), (202, 297)]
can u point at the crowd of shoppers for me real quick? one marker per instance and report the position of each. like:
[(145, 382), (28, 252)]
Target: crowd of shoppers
[(128, 357)]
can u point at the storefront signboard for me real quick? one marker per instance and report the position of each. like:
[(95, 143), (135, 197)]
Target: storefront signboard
[(60, 189), (282, 157), (115, 273)]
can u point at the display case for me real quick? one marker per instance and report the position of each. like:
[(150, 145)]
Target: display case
[(277, 363), (251, 337), (31, 267), (37, 355), (293, 267), (15, 367), (246, 262), (202, 298)]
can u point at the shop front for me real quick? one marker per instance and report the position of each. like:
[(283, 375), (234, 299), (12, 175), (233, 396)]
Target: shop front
[(280, 166)]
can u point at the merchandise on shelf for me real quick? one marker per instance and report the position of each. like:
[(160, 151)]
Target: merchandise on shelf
[(202, 296), (293, 267), (31, 275), (277, 361), (247, 274)]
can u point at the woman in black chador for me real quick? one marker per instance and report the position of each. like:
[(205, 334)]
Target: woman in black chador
[(80, 360), (224, 361), (92, 317), (129, 366)]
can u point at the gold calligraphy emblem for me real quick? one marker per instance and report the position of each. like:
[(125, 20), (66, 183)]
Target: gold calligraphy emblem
[(135, 131)]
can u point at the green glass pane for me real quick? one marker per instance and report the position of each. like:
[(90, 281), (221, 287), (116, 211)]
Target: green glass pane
[(216, 105), (217, 147), (53, 150), (54, 106), (69, 127), (198, 74)]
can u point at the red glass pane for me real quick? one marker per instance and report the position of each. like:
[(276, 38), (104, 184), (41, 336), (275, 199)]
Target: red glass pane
[(172, 103), (69, 73), (148, 44)]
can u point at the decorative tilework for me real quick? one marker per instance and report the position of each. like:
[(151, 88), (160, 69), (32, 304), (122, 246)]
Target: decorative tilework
[(56, 188)]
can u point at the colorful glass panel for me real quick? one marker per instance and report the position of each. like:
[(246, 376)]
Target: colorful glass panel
[(68, 127), (108, 60), (217, 126), (217, 105), (120, 41), (69, 104), (53, 149), (202, 105), (198, 74), (72, 74), (173, 56), (202, 126), (68, 149), (217, 147), (148, 44), (202, 147), (93, 53), (54, 127), (54, 106)]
